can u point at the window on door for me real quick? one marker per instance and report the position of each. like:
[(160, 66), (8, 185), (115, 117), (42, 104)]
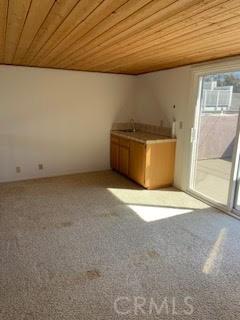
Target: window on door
[(216, 134)]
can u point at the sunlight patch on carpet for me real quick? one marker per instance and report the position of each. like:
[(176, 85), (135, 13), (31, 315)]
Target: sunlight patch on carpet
[(149, 214), (215, 253)]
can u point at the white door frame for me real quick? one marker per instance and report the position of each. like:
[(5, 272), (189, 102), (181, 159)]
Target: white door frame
[(194, 108)]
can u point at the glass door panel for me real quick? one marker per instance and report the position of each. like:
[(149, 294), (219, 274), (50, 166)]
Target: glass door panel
[(237, 193), (216, 132)]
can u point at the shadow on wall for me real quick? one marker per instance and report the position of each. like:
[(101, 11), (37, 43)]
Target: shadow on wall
[(217, 134), (227, 154)]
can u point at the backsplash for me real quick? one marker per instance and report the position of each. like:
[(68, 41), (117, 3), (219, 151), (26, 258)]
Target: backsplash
[(142, 127)]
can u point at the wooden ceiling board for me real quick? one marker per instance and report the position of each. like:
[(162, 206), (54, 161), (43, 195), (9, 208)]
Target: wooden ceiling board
[(140, 13), (81, 11), (54, 19), (138, 43), (197, 47), (37, 14), (87, 30), (117, 36), (17, 14), (180, 43), (132, 35), (177, 41), (196, 57)]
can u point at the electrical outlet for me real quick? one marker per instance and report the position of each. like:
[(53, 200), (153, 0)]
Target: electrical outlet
[(18, 169), (40, 166)]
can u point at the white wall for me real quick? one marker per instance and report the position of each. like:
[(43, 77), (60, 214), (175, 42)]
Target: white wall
[(62, 118), (58, 118), (157, 93)]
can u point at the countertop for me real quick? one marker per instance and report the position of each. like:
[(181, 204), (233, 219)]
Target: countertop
[(143, 137)]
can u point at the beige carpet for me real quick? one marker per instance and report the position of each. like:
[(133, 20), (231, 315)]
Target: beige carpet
[(97, 246)]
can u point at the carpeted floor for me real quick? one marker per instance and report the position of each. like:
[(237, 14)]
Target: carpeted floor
[(97, 246)]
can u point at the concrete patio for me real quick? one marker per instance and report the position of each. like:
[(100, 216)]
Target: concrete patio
[(213, 177)]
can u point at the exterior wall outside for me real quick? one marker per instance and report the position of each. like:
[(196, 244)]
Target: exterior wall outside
[(217, 134)]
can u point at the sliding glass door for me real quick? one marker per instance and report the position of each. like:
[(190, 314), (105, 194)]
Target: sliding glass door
[(237, 193), (215, 138)]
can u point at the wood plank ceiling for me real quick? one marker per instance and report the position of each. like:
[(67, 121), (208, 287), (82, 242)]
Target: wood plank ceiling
[(120, 36)]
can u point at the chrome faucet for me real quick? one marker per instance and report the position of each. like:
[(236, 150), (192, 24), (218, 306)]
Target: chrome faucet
[(132, 125)]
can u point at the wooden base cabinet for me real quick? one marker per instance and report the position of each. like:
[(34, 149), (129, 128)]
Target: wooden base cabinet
[(160, 163), (150, 165)]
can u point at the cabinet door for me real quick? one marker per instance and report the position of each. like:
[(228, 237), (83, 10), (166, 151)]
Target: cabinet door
[(137, 162), (114, 150), (123, 159), (160, 161)]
